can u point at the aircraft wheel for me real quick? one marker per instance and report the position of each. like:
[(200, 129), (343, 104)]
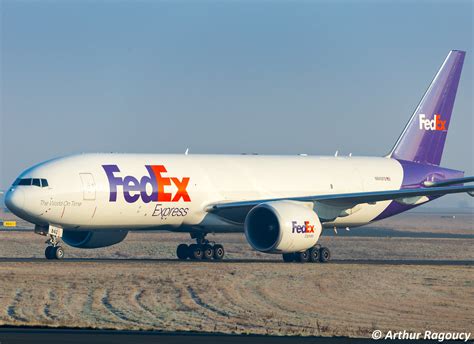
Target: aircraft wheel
[(195, 251), (314, 254), (58, 252), (47, 252), (288, 257), (182, 251), (207, 252), (218, 252), (324, 255), (302, 257)]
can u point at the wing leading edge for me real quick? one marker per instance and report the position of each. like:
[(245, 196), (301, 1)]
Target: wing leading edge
[(236, 211)]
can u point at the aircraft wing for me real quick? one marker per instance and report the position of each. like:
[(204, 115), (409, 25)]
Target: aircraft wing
[(237, 211)]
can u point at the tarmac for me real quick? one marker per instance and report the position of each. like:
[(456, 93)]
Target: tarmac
[(18, 335)]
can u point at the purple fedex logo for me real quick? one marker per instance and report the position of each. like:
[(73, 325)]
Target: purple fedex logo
[(136, 188), (305, 228)]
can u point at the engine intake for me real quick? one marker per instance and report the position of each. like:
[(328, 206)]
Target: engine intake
[(89, 239), (282, 227)]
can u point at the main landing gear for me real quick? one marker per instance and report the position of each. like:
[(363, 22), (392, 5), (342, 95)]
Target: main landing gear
[(314, 255), (54, 250), (203, 249)]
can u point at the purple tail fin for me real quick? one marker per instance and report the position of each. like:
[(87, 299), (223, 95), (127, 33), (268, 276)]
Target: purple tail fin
[(425, 134)]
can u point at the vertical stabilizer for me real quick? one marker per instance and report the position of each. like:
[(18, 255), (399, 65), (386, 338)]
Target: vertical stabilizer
[(424, 136)]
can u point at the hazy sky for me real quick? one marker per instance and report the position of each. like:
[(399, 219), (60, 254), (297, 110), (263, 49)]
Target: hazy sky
[(225, 77)]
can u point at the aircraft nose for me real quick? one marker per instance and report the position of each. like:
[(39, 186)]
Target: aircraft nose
[(14, 200)]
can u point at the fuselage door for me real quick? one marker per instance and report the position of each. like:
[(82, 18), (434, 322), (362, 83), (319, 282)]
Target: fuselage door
[(88, 186)]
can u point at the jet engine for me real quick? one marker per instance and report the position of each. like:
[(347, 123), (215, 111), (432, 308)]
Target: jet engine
[(89, 239), (282, 227)]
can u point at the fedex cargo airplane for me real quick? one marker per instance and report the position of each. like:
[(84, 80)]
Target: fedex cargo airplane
[(281, 203)]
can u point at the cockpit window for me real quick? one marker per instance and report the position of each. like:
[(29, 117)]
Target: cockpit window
[(42, 183), (25, 181)]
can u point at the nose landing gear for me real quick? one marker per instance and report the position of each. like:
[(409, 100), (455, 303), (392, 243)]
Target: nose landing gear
[(314, 255), (203, 249), (54, 250)]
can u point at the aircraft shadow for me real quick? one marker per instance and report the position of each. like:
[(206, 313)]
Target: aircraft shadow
[(246, 261)]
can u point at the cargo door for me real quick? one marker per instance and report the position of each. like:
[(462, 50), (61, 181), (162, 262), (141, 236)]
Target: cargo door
[(88, 186)]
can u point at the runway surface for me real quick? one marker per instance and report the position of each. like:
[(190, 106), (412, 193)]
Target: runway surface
[(243, 261), (52, 336), (393, 280)]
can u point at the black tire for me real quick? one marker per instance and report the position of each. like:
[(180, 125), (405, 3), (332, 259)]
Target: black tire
[(314, 255), (302, 257), (182, 251), (207, 252), (195, 252), (324, 255), (47, 252), (288, 257), (58, 252), (218, 252)]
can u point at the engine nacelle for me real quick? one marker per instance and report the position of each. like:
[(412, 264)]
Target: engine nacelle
[(282, 227), (88, 239)]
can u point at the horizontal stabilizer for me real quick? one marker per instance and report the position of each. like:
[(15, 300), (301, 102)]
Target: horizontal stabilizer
[(448, 182)]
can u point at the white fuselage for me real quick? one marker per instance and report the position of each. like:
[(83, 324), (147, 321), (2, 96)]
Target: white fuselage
[(78, 195)]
